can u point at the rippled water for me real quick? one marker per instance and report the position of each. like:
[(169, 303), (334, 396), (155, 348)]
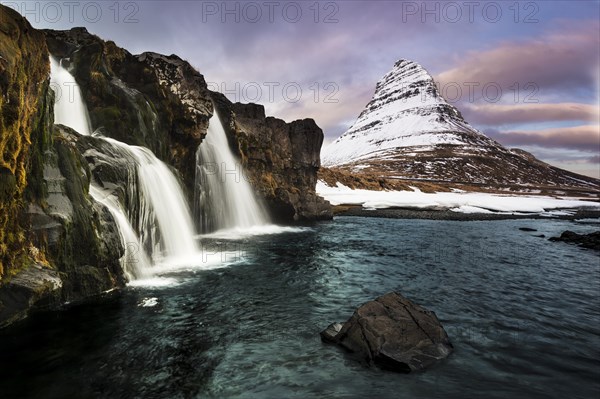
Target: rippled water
[(523, 314)]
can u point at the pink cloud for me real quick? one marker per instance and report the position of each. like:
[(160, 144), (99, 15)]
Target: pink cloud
[(501, 114), (564, 59), (594, 159), (582, 138)]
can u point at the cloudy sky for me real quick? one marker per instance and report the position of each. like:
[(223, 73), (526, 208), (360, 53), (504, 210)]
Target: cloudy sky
[(525, 73)]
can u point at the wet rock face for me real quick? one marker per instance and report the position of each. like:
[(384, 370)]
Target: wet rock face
[(76, 231), (54, 240), (8, 184), (23, 72), (74, 241), (393, 333)]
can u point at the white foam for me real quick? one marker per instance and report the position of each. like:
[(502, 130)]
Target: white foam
[(244, 232), (154, 282), (164, 271), (148, 302)]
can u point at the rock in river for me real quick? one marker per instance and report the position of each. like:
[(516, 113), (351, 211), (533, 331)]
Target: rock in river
[(590, 241), (393, 333)]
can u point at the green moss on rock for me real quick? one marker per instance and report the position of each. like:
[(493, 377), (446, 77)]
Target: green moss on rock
[(24, 68)]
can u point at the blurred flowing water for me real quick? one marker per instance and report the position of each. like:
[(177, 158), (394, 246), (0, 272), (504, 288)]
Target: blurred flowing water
[(224, 199), (157, 208), (523, 314)]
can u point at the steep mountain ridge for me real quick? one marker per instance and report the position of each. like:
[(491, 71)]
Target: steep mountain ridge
[(408, 131)]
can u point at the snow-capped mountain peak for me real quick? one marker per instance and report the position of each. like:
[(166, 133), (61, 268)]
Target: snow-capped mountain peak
[(409, 132), (405, 111)]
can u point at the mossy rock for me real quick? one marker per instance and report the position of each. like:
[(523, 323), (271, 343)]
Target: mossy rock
[(24, 67), (8, 184)]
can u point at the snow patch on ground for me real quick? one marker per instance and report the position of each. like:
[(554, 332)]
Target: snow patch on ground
[(456, 201), (470, 209)]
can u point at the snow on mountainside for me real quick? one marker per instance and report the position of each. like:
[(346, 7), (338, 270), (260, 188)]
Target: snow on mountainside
[(406, 111), (408, 131)]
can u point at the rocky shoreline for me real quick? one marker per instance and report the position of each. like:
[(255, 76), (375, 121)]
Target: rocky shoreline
[(427, 214)]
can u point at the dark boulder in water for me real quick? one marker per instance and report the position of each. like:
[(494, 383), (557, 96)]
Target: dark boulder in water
[(393, 333), (590, 241)]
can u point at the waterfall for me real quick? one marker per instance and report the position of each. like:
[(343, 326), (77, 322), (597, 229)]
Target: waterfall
[(69, 107), (223, 196), (159, 200), (135, 262), (160, 203)]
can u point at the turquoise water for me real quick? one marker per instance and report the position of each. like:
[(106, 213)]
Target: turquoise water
[(523, 314)]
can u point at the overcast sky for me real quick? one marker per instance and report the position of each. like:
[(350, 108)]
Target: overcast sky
[(525, 73)]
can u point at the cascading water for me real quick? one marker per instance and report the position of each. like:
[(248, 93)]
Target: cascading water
[(69, 108), (161, 203), (224, 199), (135, 262), (160, 199)]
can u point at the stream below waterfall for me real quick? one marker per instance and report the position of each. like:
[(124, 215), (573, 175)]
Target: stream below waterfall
[(522, 312)]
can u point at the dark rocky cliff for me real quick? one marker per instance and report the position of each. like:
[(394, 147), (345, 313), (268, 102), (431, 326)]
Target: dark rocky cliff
[(163, 103), (56, 243), (23, 71)]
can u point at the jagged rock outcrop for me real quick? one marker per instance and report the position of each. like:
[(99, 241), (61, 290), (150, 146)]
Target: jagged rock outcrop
[(408, 131), (26, 289), (74, 238), (281, 159), (88, 235), (393, 333)]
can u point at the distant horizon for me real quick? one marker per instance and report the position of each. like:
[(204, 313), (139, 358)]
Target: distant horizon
[(527, 74)]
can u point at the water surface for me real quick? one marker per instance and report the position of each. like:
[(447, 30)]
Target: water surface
[(522, 312)]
